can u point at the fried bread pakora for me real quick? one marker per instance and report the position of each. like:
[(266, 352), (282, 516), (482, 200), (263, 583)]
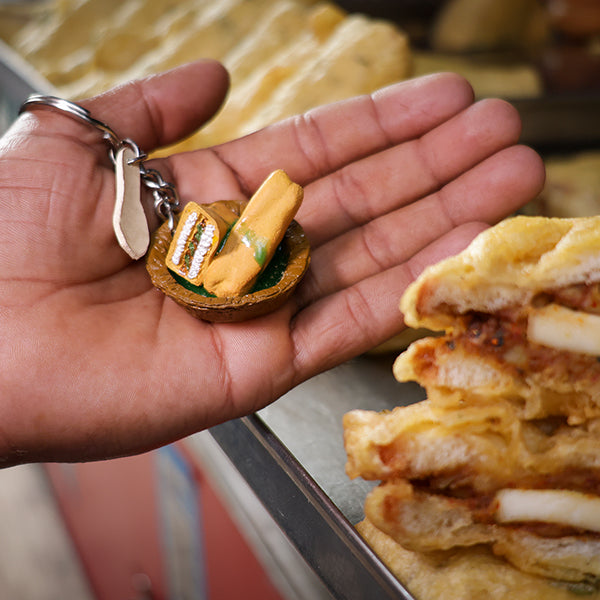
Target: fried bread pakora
[(504, 454)]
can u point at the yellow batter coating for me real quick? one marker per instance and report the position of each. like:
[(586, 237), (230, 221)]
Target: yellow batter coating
[(255, 237), (488, 300), (505, 265), (465, 574)]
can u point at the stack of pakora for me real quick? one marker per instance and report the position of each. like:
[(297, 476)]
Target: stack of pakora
[(492, 484)]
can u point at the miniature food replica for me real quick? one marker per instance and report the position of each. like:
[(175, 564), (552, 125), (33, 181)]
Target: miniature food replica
[(196, 240), (255, 237), (231, 261), (499, 466)]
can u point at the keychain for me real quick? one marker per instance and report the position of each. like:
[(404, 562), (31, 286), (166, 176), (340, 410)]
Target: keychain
[(225, 261)]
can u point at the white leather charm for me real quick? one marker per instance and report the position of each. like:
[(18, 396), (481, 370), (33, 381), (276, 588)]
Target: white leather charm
[(129, 219)]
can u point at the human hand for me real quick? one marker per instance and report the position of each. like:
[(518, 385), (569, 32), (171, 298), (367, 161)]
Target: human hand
[(96, 363)]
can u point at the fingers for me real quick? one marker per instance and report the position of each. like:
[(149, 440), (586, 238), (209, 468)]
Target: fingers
[(345, 324), (395, 177), (496, 188), (329, 137), (164, 108), (488, 192)]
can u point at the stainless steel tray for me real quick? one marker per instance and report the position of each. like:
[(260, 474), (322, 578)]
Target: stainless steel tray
[(292, 455)]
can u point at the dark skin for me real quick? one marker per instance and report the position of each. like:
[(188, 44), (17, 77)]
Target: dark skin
[(98, 364)]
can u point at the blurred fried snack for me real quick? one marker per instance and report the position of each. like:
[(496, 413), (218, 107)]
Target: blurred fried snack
[(284, 57), (484, 25), (489, 78), (572, 187)]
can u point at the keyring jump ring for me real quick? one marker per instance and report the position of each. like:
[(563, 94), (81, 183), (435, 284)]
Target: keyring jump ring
[(140, 155), (73, 110)]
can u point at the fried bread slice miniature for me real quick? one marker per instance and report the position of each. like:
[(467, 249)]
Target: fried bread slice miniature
[(196, 239), (254, 238)]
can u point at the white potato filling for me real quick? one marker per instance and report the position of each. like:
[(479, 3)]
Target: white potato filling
[(183, 236), (206, 240), (562, 507), (565, 329)]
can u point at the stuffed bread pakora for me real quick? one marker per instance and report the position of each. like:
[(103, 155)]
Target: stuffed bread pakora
[(504, 454)]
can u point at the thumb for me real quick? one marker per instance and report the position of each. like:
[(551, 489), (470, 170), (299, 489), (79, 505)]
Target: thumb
[(162, 109)]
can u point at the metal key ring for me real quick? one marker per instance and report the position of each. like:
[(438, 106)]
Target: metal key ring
[(166, 201), (70, 109)]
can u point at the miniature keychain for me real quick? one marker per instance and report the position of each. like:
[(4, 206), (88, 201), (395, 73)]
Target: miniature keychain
[(225, 261)]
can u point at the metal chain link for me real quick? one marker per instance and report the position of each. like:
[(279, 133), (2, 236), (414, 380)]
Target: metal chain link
[(166, 200)]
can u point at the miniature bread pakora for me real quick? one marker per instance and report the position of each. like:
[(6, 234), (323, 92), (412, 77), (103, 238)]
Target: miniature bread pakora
[(196, 239), (261, 254), (254, 238)]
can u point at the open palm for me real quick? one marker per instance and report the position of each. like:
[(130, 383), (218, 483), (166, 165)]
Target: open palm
[(95, 363)]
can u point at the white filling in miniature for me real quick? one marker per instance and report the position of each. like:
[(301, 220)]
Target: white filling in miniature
[(562, 507), (205, 242), (183, 236), (565, 329)]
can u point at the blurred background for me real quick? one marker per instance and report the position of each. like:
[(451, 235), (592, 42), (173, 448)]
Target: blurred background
[(172, 523)]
